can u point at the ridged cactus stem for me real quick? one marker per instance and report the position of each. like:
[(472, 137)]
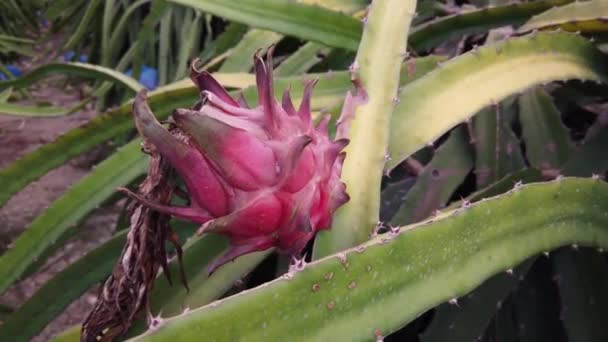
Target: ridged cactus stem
[(453, 93), (374, 289), (375, 72)]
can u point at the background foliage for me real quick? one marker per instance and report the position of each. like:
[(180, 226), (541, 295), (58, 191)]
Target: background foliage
[(489, 95)]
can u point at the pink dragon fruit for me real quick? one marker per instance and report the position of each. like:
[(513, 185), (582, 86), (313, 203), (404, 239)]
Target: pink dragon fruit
[(264, 177)]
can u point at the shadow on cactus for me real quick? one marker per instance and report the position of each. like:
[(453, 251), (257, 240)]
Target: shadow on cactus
[(263, 177)]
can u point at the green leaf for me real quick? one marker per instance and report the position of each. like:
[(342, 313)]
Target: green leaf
[(118, 33), (536, 307), (437, 181), (84, 26), (241, 56), (466, 84), (198, 254), (24, 12), (393, 195), (34, 111), (6, 72), (502, 327), (348, 6), (172, 300), (497, 151), (478, 21), (467, 320), (15, 39), (91, 191), (6, 94), (75, 69), (548, 144), (357, 294), (583, 280), (376, 67), (56, 294), (58, 8), (302, 60), (189, 46), (164, 47), (584, 16), (106, 29), (502, 186), (590, 158), (7, 47), (292, 19), (225, 41), (204, 288), (146, 32)]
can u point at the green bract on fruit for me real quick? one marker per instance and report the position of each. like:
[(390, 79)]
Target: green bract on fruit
[(264, 176)]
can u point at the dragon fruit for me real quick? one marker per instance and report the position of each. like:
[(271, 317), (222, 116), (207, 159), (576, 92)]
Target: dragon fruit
[(264, 177)]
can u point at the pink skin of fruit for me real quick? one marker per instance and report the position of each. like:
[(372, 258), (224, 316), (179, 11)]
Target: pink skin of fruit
[(264, 177)]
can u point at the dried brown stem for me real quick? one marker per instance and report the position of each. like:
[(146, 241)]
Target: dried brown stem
[(126, 292)]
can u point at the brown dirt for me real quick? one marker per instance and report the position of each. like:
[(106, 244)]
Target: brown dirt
[(19, 136)]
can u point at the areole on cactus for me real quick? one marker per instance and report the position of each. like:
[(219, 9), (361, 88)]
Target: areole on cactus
[(264, 176)]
